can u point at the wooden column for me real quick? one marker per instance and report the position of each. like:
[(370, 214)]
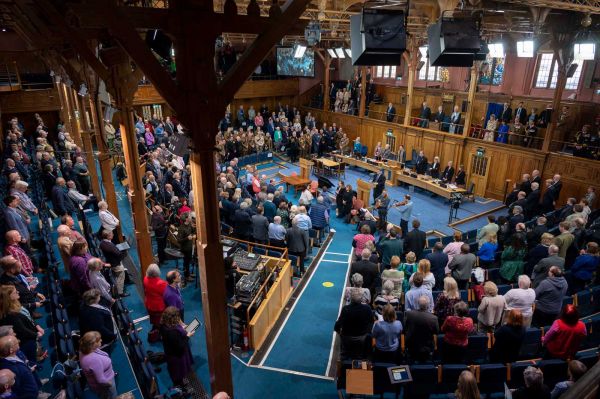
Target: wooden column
[(558, 92), (326, 82), (88, 148), (70, 126), (104, 158), (471, 98), (64, 115), (363, 92), (412, 75)]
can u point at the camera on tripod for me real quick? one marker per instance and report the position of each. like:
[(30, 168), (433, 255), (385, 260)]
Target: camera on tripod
[(455, 200)]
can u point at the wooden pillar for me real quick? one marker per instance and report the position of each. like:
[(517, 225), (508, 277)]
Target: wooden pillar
[(88, 148), (64, 115), (69, 123), (326, 80), (558, 92), (412, 75), (363, 92), (104, 158), (471, 98)]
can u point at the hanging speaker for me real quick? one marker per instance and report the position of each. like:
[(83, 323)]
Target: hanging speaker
[(378, 37), (420, 65), (571, 70)]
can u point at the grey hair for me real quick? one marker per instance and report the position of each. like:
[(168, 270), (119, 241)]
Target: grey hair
[(388, 287), (366, 253), (6, 330), (357, 280), (94, 263), (320, 199), (517, 209), (423, 302), (243, 205), (356, 295), (153, 270), (553, 249), (102, 204), (524, 281), (533, 377)]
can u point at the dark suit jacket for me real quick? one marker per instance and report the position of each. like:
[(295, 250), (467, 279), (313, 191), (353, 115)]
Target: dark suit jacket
[(380, 180), (522, 115), (448, 173), (415, 241), (297, 239), (420, 328), (525, 186), (435, 170), (355, 320), (95, 319), (425, 113), (439, 116), (390, 114), (61, 202), (26, 386), (421, 164), (368, 270), (460, 177), (507, 115)]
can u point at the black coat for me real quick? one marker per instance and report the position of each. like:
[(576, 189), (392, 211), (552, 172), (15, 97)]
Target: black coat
[(507, 115), (355, 320), (448, 173), (368, 270), (415, 241), (95, 319), (421, 164), (390, 114)]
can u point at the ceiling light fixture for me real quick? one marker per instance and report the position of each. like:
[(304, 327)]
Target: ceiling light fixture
[(299, 50)]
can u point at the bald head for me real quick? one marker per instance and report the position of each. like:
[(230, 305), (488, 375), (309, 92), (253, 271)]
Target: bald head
[(8, 346), (12, 237), (63, 230)]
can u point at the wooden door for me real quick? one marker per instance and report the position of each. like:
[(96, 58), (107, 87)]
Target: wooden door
[(479, 168)]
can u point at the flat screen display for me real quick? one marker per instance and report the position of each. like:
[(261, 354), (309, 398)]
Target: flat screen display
[(288, 65)]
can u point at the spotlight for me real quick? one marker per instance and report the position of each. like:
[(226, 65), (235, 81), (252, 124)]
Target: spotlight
[(83, 90), (299, 50), (332, 53)]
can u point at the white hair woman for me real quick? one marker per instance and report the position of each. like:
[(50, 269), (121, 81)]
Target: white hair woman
[(357, 283)]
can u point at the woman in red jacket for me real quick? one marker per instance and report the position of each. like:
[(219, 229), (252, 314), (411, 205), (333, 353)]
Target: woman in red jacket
[(564, 337), (154, 288), (456, 331)]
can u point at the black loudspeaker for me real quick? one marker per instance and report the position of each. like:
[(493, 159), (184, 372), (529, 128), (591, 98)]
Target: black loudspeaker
[(421, 65), (324, 182), (179, 144), (378, 37), (454, 42), (159, 42), (571, 70)]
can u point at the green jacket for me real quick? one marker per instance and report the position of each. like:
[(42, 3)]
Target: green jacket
[(390, 247)]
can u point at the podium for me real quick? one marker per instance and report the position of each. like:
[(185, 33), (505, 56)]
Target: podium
[(305, 166), (363, 189)]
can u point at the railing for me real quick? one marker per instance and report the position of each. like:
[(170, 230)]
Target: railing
[(9, 77), (586, 386)]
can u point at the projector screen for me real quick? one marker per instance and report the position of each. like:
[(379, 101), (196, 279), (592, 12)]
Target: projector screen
[(287, 65)]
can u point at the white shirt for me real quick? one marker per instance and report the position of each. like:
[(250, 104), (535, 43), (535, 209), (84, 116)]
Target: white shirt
[(108, 220), (306, 197)]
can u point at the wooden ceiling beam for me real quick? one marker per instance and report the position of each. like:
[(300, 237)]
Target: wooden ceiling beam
[(141, 54), (73, 38), (591, 6), (256, 52), (163, 18)]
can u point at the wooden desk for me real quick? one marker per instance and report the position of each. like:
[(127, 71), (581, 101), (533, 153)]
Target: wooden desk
[(389, 169), (427, 184), (328, 162), (298, 182)]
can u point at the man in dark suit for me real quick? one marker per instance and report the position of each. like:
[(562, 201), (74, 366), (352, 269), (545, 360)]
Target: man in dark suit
[(507, 113), (448, 172), (367, 269), (520, 201), (438, 260), (545, 116), (525, 184), (424, 116), (61, 202), (532, 201), (536, 178), (379, 179), (420, 327), (26, 386), (297, 242), (521, 113), (390, 114), (439, 116), (415, 240), (353, 325), (421, 163)]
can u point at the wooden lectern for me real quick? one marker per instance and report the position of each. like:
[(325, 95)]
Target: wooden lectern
[(305, 165), (364, 191)]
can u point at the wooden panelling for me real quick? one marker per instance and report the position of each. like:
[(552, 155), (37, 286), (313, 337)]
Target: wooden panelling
[(29, 101), (268, 88), (506, 162), (577, 174), (147, 95)]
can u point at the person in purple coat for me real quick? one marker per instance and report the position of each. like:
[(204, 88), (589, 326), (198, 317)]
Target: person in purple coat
[(97, 366), (78, 267), (176, 345), (172, 294)]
